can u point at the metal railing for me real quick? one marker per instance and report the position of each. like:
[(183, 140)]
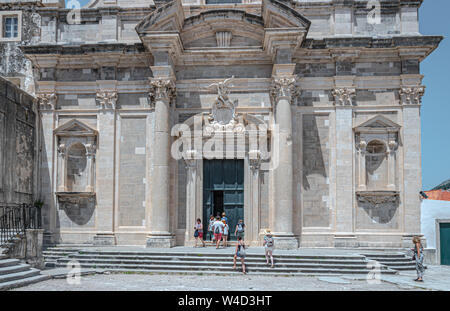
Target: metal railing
[(15, 220)]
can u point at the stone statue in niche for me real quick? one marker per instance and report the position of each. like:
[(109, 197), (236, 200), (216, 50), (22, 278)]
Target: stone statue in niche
[(223, 115)]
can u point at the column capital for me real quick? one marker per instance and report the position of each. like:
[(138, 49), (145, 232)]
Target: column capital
[(254, 159), (284, 87), (190, 159), (47, 101), (343, 96), (107, 99), (411, 95), (162, 89)]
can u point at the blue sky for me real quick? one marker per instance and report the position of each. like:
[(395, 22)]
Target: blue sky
[(436, 102)]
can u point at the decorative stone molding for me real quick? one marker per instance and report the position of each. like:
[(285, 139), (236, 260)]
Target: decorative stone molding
[(90, 150), (62, 150), (343, 96), (162, 89), (190, 159), (224, 38), (107, 100), (223, 117), (411, 95), (254, 159), (284, 88), (47, 101), (377, 197)]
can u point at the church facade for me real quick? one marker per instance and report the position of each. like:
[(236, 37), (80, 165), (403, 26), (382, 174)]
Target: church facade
[(299, 117)]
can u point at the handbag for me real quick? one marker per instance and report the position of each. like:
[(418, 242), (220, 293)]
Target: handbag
[(196, 233)]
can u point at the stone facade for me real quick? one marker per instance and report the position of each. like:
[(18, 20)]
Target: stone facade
[(334, 93)]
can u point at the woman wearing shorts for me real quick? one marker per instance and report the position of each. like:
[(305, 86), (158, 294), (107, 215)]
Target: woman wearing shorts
[(198, 233), (240, 252)]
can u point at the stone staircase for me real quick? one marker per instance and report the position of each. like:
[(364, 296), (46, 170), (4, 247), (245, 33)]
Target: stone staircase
[(395, 261), (14, 274), (198, 262)]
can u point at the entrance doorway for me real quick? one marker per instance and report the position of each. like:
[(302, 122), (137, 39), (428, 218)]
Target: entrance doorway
[(444, 234), (223, 191)]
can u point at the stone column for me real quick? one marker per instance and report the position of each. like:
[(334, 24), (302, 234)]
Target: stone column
[(392, 144), (412, 174), (105, 194), (252, 222), (47, 105), (191, 198), (362, 165), (90, 155), (62, 169), (283, 91), (163, 91), (344, 167)]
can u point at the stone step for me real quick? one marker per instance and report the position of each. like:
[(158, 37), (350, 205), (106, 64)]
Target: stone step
[(214, 265), (23, 282), (14, 269), (9, 262), (203, 269), (211, 258), (18, 275), (197, 254)]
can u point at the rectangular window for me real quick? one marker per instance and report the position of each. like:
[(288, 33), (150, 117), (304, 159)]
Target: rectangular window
[(10, 27)]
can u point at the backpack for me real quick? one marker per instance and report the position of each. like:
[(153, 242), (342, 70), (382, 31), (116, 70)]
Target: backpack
[(217, 229), (241, 227), (269, 242)]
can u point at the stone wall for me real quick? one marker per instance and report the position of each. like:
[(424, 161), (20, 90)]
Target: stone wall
[(17, 145), (13, 64)]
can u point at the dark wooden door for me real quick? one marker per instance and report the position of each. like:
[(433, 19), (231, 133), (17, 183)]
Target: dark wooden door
[(223, 191), (444, 229)]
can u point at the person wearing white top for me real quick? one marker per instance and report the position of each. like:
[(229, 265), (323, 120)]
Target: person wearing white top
[(225, 233), (218, 230)]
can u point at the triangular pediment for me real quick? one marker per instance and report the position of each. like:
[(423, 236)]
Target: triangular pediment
[(169, 17), (74, 128), (281, 14), (378, 123)]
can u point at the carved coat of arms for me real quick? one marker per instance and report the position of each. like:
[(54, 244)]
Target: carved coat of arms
[(223, 113)]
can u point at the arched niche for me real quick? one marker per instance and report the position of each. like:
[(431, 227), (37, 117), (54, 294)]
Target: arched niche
[(77, 144)]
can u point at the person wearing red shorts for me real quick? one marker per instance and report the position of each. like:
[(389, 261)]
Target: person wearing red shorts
[(218, 230), (198, 233)]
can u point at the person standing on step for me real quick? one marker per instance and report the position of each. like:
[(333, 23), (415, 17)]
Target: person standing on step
[(240, 252), (240, 229), (198, 233), (226, 229), (268, 246), (418, 257), (210, 227), (218, 230)]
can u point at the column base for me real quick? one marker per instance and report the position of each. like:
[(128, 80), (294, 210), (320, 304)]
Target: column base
[(160, 240), (104, 239), (408, 243), (345, 240), (285, 240)]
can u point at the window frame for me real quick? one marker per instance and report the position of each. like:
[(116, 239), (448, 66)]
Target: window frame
[(10, 14)]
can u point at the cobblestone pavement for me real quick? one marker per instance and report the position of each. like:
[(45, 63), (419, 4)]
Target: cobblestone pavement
[(170, 282)]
